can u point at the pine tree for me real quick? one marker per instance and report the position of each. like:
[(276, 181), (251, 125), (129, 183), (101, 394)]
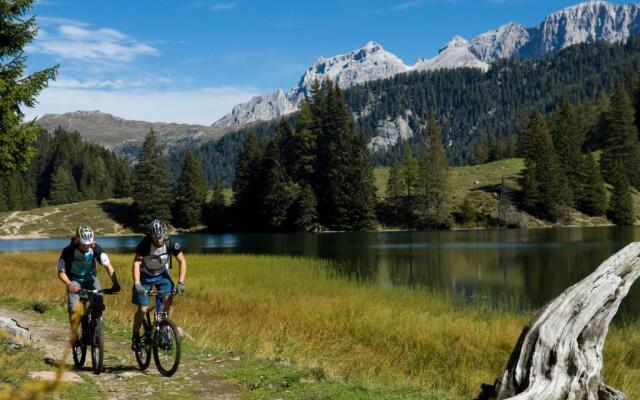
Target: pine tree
[(122, 180), (191, 195), (468, 213), (17, 30), (3, 201), (344, 176), (567, 141), (591, 197), (593, 120), (531, 196), (512, 146), (634, 90), (409, 172), (152, 192), (216, 211), (63, 187), (300, 148), (14, 191), (481, 155), (102, 183), (545, 186), (248, 184), (498, 150), (303, 212), (279, 190), (621, 210), (394, 183), (434, 173), (622, 140)]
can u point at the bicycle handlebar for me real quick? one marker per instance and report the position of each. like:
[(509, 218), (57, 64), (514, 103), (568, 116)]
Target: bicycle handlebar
[(153, 292), (94, 291)]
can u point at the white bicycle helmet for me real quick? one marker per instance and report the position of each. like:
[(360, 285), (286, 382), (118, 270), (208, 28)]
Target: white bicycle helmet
[(157, 229), (84, 235)]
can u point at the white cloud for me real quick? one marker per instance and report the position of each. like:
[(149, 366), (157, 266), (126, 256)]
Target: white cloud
[(74, 40), (223, 6), (48, 21), (115, 84), (201, 106), (407, 5), (74, 32)]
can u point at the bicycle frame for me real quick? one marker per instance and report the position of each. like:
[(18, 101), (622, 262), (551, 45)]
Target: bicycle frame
[(91, 310), (160, 314)]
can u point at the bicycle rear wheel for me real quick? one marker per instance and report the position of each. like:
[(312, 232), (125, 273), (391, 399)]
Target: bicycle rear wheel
[(166, 348), (97, 346), (143, 355), (79, 348)]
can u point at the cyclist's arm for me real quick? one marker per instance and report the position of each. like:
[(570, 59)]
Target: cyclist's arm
[(64, 278), (135, 269), (183, 267), (106, 263), (112, 274), (62, 271)]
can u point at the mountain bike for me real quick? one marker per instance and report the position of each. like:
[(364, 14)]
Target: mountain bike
[(91, 330), (160, 336)]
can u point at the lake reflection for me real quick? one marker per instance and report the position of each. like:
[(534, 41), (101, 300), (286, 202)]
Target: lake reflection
[(515, 268)]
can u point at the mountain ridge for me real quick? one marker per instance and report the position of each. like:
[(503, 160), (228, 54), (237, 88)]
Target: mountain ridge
[(125, 136), (584, 22)]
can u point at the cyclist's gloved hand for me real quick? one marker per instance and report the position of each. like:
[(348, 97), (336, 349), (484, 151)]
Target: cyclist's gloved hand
[(139, 289), (73, 286), (181, 288)]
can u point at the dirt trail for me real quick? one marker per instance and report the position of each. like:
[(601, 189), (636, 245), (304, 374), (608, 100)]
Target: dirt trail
[(199, 374)]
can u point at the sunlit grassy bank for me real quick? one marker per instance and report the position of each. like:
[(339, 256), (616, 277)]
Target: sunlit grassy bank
[(283, 307)]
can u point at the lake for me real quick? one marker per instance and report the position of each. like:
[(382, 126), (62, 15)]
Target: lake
[(520, 269)]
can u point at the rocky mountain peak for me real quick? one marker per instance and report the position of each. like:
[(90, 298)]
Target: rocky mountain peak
[(456, 41), (583, 23)]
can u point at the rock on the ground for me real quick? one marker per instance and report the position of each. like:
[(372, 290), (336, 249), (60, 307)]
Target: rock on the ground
[(11, 332), (69, 377), (183, 334), (128, 374)]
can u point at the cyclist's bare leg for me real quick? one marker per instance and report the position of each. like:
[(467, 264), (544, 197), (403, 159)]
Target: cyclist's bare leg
[(74, 320), (168, 306), (137, 319)]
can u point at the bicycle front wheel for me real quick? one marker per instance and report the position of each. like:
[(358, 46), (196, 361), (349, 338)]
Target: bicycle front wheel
[(143, 352), (79, 348), (166, 348), (97, 346)]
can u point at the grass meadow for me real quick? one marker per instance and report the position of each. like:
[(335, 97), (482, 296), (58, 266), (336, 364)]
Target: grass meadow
[(369, 338)]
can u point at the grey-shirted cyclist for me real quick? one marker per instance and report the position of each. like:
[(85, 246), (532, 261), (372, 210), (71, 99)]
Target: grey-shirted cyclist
[(151, 269)]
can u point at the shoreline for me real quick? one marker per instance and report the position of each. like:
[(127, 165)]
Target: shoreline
[(38, 235)]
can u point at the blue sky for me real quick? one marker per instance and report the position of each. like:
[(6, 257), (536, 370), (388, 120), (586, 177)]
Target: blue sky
[(190, 61)]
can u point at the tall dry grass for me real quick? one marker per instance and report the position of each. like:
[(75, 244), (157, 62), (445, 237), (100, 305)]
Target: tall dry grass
[(294, 308)]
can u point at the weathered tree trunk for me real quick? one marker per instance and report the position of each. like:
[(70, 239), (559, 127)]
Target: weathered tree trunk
[(559, 353)]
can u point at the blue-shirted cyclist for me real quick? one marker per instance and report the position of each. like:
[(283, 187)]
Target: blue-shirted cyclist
[(151, 267), (77, 269)]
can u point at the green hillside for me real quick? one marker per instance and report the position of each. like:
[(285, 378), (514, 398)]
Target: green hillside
[(476, 181), (480, 184), (106, 217)]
